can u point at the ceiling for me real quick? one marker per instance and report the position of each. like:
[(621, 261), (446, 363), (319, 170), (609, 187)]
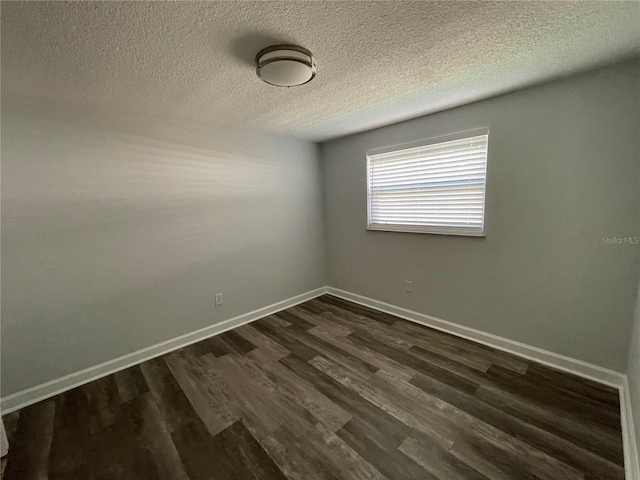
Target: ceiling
[(378, 62)]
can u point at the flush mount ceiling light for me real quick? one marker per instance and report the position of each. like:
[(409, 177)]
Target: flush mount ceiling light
[(285, 65)]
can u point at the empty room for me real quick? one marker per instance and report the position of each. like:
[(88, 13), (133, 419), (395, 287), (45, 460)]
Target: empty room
[(313, 240)]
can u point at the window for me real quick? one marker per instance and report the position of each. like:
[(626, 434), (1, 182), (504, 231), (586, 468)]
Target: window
[(433, 186)]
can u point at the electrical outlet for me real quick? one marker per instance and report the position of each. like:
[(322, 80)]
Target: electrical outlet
[(408, 286), (219, 299)]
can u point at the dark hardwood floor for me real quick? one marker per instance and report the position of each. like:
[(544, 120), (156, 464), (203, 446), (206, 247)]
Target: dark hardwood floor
[(325, 390)]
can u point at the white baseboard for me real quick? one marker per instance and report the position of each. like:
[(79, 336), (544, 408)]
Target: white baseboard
[(35, 394), (577, 367), (631, 453)]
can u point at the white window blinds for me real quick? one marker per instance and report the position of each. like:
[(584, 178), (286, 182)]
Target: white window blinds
[(429, 188)]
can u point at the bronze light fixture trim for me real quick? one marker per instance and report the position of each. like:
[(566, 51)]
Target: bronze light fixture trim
[(285, 65)]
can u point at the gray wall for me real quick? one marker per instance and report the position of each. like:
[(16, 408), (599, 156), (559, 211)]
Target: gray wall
[(117, 232), (633, 368), (633, 371), (562, 174)]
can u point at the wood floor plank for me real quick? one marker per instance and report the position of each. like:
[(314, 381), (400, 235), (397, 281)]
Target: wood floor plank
[(294, 319), (299, 390), (587, 436), (575, 385), (473, 376), (475, 355), (262, 355), (325, 390), (321, 322), (76, 428), (412, 361), (490, 461), (131, 383), (280, 336), (567, 396), (434, 405), (438, 462), (474, 358), (376, 315), (31, 444), (208, 394), (313, 308), (117, 455), (380, 334), (332, 351), (419, 332), (554, 395), (395, 431), (274, 322), (104, 397), (236, 342), (351, 464), (10, 421), (319, 453), (151, 431), (257, 398), (360, 323), (213, 345), (195, 447), (420, 417), (448, 342), (520, 454), (425, 404), (373, 446), (271, 348), (242, 456), (591, 465), (217, 346), (294, 460), (364, 353), (445, 375), (169, 396)]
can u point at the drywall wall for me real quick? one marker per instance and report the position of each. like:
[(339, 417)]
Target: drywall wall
[(633, 365), (118, 231), (633, 371), (562, 179)]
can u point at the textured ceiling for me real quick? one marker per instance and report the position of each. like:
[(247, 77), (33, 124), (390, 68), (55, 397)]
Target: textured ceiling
[(378, 62)]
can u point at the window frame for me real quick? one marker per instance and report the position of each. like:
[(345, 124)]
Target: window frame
[(430, 229)]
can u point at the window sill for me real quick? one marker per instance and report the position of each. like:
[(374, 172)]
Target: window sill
[(429, 230)]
